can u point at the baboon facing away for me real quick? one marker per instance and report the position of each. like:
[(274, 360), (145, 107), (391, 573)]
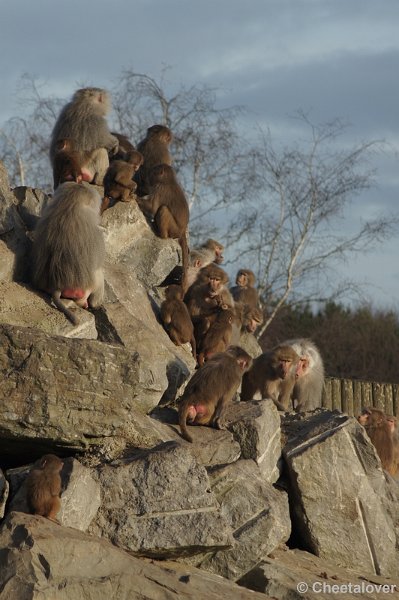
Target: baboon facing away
[(43, 487), (68, 248), (211, 388)]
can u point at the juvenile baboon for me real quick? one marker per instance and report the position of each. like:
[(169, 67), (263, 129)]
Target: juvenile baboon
[(167, 204), (379, 431), (211, 388), (43, 487), (213, 333), (155, 150), (213, 250), (118, 182), (83, 121), (309, 383), (68, 248), (208, 291), (252, 318), (124, 147), (176, 319), (67, 163), (273, 375), (244, 290)]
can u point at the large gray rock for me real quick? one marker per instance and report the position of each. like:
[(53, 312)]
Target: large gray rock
[(30, 204), (43, 561), (72, 394), (160, 505), (257, 513), (256, 427), (8, 211), (23, 307), (80, 496), (130, 241), (296, 575), (337, 491)]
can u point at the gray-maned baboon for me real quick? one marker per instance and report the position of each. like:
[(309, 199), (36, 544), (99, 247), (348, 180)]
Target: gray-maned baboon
[(211, 388), (379, 430), (176, 319), (155, 150), (168, 206), (309, 383), (244, 290), (214, 250), (43, 487), (273, 375), (83, 121), (68, 248)]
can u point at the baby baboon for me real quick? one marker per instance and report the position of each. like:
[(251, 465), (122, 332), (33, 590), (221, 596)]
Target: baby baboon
[(83, 121), (213, 333), (43, 487), (176, 319), (68, 248), (211, 388), (124, 147), (168, 206), (155, 150), (273, 375), (309, 383), (208, 291), (244, 290), (118, 183)]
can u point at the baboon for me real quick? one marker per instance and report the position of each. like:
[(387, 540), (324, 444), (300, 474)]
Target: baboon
[(125, 147), (167, 204), (43, 487), (118, 183), (244, 290), (393, 426), (214, 250), (68, 248), (83, 121), (309, 383), (208, 291), (176, 319), (155, 150), (211, 388), (273, 375), (252, 318), (379, 431), (213, 333)]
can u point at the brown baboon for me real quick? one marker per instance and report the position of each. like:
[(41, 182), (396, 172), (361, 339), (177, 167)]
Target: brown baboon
[(83, 121), (118, 182), (155, 150), (43, 487), (273, 375), (309, 383), (211, 388), (244, 290), (213, 333), (379, 431), (167, 204), (68, 248), (252, 318), (176, 319), (125, 147), (208, 291)]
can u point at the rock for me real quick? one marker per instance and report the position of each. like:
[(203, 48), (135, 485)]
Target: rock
[(211, 446), (256, 427), (60, 394), (160, 505), (130, 241), (257, 513), (21, 306), (42, 560), (30, 204), (250, 344), (286, 573), (80, 496), (337, 488), (4, 490), (7, 203)]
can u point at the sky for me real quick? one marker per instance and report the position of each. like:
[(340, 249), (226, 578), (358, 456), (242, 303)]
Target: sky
[(333, 58)]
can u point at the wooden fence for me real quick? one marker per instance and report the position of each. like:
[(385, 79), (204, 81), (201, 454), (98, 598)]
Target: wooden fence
[(351, 396)]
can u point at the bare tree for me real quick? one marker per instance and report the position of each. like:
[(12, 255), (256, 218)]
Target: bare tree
[(292, 231)]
